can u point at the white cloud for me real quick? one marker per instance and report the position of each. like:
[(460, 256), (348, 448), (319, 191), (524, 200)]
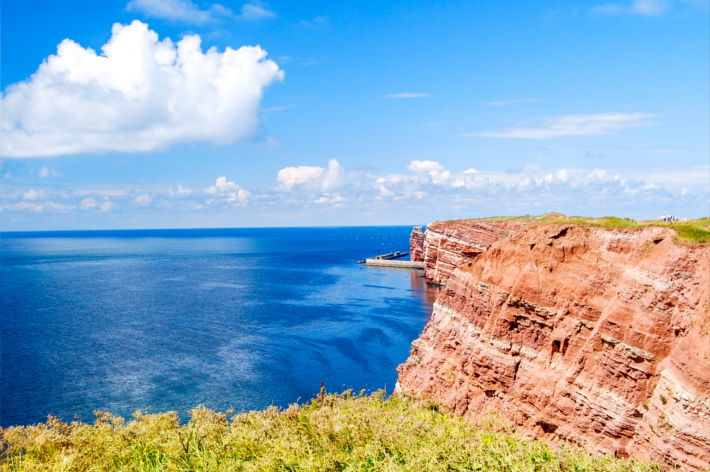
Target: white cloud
[(45, 171), (573, 125), (179, 191), (228, 191), (36, 207), (185, 11), (288, 177), (254, 11), (91, 204), (88, 203), (140, 94), (432, 169), (33, 194), (636, 7), (330, 199), (533, 185), (407, 95), (142, 200), (312, 177), (102, 192)]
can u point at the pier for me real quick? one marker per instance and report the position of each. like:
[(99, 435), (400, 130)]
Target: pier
[(390, 260), (373, 261)]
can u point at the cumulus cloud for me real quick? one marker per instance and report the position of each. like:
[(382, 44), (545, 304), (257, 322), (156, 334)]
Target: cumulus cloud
[(330, 199), (185, 11), (179, 191), (573, 125), (142, 200), (90, 203), (288, 177), (312, 177), (431, 169), (227, 191), (533, 185), (139, 94), (33, 194)]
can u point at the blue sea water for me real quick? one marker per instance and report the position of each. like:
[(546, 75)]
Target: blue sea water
[(169, 319)]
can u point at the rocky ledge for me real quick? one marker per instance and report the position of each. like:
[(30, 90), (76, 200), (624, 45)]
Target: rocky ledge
[(595, 336), (449, 244)]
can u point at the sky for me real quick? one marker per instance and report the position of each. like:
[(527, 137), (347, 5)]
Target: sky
[(191, 113)]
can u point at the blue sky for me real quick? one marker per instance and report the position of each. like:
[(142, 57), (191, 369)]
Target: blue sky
[(191, 113)]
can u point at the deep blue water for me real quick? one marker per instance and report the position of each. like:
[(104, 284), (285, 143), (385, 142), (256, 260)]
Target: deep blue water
[(169, 319)]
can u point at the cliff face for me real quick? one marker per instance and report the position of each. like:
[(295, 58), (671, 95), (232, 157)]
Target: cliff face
[(596, 336), (447, 245), (416, 244)]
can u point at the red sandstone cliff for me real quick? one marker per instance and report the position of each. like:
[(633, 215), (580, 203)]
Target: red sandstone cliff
[(449, 244), (416, 244), (596, 336)]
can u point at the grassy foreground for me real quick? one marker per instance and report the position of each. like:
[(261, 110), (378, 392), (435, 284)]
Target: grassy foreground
[(696, 231), (334, 433)]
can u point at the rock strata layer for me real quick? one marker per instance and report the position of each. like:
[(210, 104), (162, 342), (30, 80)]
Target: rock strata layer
[(599, 337), (449, 244), (416, 244)]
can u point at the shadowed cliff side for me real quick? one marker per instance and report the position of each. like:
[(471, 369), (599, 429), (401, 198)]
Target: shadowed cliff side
[(597, 336)]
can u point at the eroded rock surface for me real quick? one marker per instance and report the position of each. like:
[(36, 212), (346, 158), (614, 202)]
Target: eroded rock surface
[(449, 244), (416, 244), (596, 336)]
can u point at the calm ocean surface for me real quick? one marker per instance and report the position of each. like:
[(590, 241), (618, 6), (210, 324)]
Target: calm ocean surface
[(169, 319)]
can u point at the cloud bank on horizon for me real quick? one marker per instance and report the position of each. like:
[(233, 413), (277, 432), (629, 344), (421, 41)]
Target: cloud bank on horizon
[(300, 188), (139, 94)]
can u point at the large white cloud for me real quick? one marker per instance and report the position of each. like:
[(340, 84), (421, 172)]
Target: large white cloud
[(139, 94)]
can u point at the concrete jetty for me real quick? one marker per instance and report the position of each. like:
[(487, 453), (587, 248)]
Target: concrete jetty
[(394, 263)]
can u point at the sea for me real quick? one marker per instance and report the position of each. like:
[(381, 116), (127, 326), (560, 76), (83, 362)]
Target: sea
[(166, 320)]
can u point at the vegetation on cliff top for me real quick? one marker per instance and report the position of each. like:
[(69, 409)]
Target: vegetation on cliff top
[(333, 433), (688, 231)]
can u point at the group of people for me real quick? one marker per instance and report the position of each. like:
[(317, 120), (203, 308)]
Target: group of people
[(669, 218)]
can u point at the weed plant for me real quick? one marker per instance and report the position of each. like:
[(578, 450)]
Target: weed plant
[(331, 433)]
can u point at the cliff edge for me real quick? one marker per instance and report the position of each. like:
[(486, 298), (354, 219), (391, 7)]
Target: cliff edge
[(596, 336)]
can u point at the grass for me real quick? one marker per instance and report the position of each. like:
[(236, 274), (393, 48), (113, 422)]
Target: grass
[(333, 433), (695, 231)]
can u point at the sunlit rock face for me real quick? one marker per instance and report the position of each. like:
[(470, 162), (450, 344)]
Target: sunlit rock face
[(596, 336), (416, 244), (449, 244)]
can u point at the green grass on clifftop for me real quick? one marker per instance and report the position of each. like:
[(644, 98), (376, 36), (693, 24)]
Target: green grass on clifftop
[(336, 433), (695, 231)]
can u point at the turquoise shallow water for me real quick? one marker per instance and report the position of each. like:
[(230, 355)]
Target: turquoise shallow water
[(169, 319)]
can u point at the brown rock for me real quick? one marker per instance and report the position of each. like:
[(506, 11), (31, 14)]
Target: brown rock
[(596, 336)]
